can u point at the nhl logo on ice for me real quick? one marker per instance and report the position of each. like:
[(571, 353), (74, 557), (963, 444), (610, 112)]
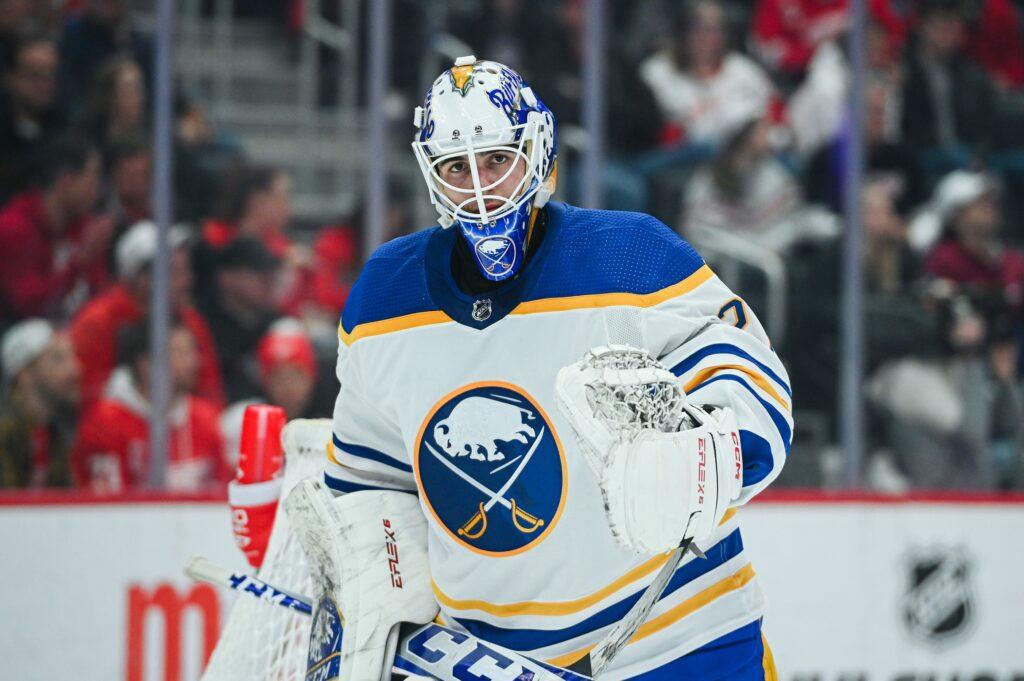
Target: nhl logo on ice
[(491, 468), (497, 254), (938, 604)]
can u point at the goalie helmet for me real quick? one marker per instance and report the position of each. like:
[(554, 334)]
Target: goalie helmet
[(472, 109)]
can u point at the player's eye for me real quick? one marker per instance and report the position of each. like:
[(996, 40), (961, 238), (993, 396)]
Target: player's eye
[(499, 158), (453, 168)]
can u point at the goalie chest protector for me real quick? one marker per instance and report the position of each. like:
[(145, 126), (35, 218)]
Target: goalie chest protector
[(452, 396)]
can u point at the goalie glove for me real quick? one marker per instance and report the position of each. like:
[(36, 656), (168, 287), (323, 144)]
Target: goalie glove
[(667, 470), (368, 552)]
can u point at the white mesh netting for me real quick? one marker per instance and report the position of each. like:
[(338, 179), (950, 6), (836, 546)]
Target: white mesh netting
[(261, 641), (635, 391)]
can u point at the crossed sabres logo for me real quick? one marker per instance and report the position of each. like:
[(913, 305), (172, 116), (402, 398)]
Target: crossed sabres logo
[(499, 252), (494, 442)]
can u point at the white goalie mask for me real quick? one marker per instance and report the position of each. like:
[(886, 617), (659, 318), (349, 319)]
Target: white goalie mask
[(473, 109)]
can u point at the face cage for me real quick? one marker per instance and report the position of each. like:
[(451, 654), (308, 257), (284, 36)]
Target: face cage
[(527, 150)]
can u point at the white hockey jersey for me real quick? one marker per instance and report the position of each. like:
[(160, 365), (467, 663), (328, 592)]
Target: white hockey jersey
[(451, 396)]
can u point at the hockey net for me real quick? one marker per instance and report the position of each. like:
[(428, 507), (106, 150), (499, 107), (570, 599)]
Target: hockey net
[(261, 641)]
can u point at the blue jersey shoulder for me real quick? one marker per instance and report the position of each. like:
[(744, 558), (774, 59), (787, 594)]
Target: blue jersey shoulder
[(604, 251), (392, 283)]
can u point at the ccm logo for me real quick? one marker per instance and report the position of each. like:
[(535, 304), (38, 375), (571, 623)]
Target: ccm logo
[(737, 455), (392, 548), (702, 468)]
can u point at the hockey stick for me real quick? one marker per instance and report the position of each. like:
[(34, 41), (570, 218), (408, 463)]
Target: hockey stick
[(426, 650), (594, 662)]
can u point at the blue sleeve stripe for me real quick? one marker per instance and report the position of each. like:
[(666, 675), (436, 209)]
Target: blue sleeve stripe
[(728, 349), (530, 639), (777, 418), (758, 461), (339, 485), (372, 454)]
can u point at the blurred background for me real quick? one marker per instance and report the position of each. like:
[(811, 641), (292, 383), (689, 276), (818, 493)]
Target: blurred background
[(854, 168), (881, 253)]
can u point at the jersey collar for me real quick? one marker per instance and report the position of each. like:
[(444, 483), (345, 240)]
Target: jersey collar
[(481, 310)]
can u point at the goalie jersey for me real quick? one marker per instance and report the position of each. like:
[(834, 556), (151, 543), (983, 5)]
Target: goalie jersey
[(452, 397)]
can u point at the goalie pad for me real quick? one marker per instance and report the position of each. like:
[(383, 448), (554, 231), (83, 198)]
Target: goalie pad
[(368, 551), (667, 470)]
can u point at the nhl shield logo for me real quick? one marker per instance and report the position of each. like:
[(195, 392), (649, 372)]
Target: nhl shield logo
[(482, 310), (938, 604), (491, 468)]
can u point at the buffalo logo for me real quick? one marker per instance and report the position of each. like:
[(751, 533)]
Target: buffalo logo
[(324, 659), (938, 603), (462, 78), (497, 254), (491, 468)]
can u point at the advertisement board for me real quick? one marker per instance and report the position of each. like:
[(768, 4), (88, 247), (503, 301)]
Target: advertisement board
[(892, 591), (859, 590)]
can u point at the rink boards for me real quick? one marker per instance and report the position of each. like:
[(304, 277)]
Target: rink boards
[(859, 588)]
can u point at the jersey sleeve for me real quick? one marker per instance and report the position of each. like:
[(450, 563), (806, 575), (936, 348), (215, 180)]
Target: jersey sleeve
[(366, 449), (710, 338)]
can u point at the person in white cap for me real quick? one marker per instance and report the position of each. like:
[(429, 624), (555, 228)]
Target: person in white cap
[(95, 328), (41, 393)]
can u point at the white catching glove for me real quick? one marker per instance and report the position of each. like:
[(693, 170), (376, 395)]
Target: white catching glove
[(368, 551), (667, 470)]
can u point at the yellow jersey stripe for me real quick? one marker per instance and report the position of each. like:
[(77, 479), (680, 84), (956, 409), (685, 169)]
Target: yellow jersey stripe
[(331, 456), (416, 319), (761, 382), (383, 326), (557, 608), (733, 582), (768, 662), (612, 299)]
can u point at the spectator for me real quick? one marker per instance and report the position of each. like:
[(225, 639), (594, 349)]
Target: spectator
[(885, 159), (116, 106), (130, 167), (111, 453), (258, 204), (901, 335), (337, 253), (698, 80), (966, 430), (288, 367), (95, 329), (14, 16), (554, 66), (995, 41), (29, 116), (288, 374), (335, 260), (947, 100), (202, 157), (52, 251), (38, 406), (101, 30), (745, 190), (787, 33), (239, 309), (973, 252)]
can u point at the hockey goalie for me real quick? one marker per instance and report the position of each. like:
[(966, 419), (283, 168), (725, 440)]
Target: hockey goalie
[(539, 406)]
